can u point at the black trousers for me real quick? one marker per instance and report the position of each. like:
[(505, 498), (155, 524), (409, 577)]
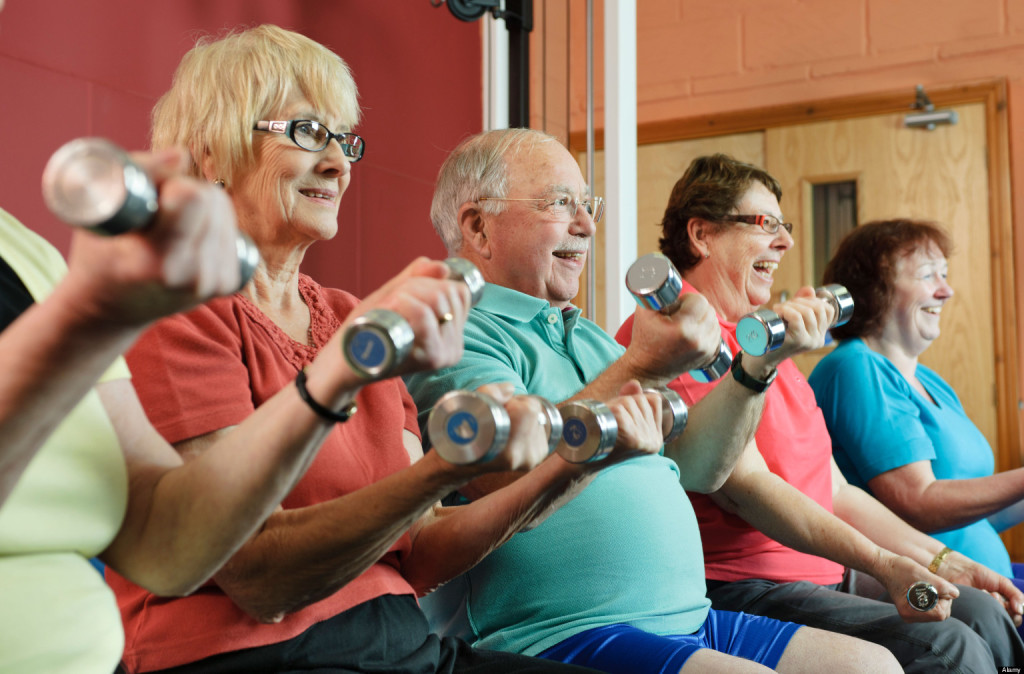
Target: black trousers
[(387, 634)]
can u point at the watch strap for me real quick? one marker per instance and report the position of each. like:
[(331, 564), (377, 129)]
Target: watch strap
[(744, 378)]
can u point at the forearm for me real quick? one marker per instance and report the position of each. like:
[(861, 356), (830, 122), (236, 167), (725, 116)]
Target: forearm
[(782, 512), (304, 555), (950, 504), (881, 525), (184, 520), (450, 541), (720, 426), (51, 356)]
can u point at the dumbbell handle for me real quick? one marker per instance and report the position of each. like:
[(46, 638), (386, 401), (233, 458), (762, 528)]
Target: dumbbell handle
[(468, 427), (94, 184), (380, 340), (764, 330), (655, 283), (590, 431), (674, 413)]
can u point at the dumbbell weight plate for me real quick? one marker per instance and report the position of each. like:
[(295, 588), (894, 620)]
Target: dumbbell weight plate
[(468, 427), (653, 281), (760, 331), (376, 342), (589, 431), (92, 183), (922, 596)]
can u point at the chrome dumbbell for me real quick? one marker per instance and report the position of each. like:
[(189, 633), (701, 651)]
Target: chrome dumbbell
[(764, 330), (655, 283), (92, 183), (472, 427), (379, 340), (922, 596), (589, 429)]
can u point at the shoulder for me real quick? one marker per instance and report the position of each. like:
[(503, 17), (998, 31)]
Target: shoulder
[(36, 262)]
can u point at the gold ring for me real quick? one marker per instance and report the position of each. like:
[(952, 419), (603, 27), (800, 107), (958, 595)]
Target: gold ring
[(447, 317)]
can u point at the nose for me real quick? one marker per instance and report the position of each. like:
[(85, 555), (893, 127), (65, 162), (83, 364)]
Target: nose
[(944, 290), (583, 223), (783, 239), (332, 160)]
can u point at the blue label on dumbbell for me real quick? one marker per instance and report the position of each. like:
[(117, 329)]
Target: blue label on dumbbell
[(462, 428), (574, 432), (368, 349)]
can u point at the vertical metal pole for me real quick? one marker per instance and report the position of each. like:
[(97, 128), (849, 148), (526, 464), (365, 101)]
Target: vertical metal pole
[(495, 74), (519, 20), (620, 156), (591, 307)]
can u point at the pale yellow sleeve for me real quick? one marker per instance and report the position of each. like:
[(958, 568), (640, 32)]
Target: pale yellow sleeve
[(40, 267)]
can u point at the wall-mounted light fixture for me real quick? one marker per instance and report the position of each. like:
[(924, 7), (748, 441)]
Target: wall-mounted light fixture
[(928, 117)]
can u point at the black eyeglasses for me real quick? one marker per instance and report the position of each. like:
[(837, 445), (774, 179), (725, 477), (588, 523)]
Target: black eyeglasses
[(768, 223), (314, 136)]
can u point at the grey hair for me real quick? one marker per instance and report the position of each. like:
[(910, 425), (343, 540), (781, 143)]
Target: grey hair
[(478, 167)]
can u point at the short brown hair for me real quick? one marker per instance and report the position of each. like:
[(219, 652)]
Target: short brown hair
[(708, 190), (865, 263)]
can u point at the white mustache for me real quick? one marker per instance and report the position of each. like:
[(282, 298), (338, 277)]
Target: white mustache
[(573, 246)]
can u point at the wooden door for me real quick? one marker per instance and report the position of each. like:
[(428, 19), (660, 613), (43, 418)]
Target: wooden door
[(939, 175)]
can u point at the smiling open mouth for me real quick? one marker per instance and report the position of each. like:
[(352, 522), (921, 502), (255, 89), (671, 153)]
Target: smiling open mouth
[(766, 267), (317, 194)]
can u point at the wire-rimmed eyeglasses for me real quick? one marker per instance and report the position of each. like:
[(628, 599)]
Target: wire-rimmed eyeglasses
[(563, 205), (314, 136)]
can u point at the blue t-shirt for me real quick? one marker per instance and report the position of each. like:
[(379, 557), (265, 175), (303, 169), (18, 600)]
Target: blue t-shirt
[(879, 422), (625, 550)]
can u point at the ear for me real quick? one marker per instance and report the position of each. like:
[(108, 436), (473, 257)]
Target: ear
[(698, 232), (208, 169), (472, 223)]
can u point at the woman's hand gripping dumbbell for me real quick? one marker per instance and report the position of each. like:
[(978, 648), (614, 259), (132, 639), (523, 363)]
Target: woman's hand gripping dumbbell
[(764, 330), (379, 341), (655, 284)]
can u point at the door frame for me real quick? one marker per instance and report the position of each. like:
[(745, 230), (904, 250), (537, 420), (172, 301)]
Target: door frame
[(993, 94)]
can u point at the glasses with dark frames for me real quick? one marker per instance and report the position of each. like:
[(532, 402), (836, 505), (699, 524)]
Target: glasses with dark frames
[(768, 223), (563, 205), (314, 136)]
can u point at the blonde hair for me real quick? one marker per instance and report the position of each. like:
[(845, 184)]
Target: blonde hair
[(478, 167), (223, 86)]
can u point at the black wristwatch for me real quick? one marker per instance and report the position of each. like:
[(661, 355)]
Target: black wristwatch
[(740, 375)]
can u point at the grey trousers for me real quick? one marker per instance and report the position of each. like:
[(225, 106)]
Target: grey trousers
[(978, 638)]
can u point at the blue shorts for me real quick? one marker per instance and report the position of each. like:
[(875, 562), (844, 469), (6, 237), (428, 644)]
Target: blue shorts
[(621, 649)]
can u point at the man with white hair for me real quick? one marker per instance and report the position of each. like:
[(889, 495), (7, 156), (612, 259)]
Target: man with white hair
[(615, 578)]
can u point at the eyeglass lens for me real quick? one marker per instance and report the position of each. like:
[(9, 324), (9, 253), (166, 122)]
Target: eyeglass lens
[(314, 136)]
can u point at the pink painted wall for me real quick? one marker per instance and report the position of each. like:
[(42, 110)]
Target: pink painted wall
[(70, 68)]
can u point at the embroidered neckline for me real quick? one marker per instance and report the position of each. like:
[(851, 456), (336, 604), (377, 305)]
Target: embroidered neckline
[(323, 323)]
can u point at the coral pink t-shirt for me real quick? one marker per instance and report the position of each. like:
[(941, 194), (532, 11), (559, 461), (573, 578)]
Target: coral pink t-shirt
[(209, 369), (795, 444)]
